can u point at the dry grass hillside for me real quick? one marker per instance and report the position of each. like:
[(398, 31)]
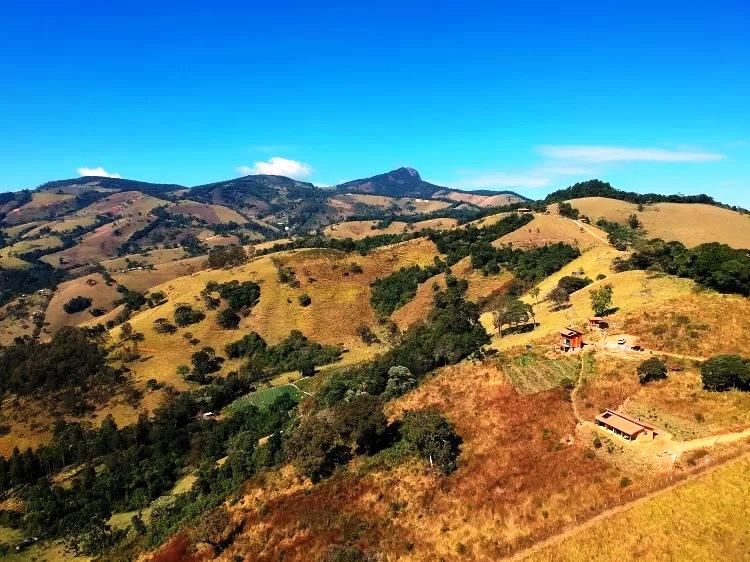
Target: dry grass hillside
[(42, 204), (100, 244), (9, 255), (361, 229), (212, 214), (481, 200), (550, 229), (517, 483), (350, 203), (691, 224), (91, 286), (633, 291), (340, 302), (669, 527)]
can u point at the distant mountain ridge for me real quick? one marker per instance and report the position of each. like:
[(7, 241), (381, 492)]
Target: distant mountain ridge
[(402, 182)]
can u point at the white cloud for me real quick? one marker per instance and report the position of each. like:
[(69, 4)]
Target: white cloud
[(98, 171), (278, 166), (598, 153)]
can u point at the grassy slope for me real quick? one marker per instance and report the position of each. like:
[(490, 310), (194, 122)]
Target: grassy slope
[(691, 224), (339, 304), (550, 229), (101, 295), (704, 519)]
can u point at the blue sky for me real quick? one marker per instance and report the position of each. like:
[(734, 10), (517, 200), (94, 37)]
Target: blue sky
[(533, 96)]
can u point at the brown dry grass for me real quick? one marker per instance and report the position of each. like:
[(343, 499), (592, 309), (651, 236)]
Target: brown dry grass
[(420, 306), (516, 484), (699, 324), (482, 200), (213, 214), (41, 204), (691, 224), (481, 285), (102, 296), (101, 243), (550, 229), (340, 303), (706, 519), (361, 229)]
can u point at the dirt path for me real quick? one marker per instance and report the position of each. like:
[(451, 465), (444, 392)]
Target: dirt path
[(585, 227), (619, 509), (298, 388)]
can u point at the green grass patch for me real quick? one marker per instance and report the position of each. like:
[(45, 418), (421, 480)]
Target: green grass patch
[(529, 374), (262, 398)]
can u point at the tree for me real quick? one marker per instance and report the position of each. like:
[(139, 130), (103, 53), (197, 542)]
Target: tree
[(571, 283), (652, 369), (164, 326), (535, 291), (77, 304), (633, 221), (185, 315), (510, 310), (400, 381), (601, 299), (316, 450), (228, 319), (304, 299), (156, 298), (205, 362), (226, 256), (558, 296), (433, 438), (567, 210), (726, 371), (360, 420)]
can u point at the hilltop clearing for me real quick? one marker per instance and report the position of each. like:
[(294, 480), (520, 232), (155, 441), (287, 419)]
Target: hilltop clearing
[(549, 229), (689, 223), (212, 214)]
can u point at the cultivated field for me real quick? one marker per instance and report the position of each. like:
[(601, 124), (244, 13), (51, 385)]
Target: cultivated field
[(691, 224)]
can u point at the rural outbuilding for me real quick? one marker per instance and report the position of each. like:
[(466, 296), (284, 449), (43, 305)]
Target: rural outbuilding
[(598, 322), (624, 426), (571, 339)]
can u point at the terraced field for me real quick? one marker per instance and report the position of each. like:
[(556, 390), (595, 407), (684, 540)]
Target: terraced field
[(529, 374)]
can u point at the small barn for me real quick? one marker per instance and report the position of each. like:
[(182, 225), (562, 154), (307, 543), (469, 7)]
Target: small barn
[(571, 339), (524, 210), (598, 322), (625, 426)]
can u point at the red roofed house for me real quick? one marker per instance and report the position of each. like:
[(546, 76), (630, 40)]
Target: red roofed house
[(571, 339), (624, 426)]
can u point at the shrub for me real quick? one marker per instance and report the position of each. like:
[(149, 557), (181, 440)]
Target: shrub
[(77, 304), (164, 326), (366, 334), (96, 312), (652, 369), (304, 299), (567, 210), (571, 284), (185, 315), (228, 319)]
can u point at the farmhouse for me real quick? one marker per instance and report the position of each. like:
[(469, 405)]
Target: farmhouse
[(624, 426), (571, 339), (524, 210)]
